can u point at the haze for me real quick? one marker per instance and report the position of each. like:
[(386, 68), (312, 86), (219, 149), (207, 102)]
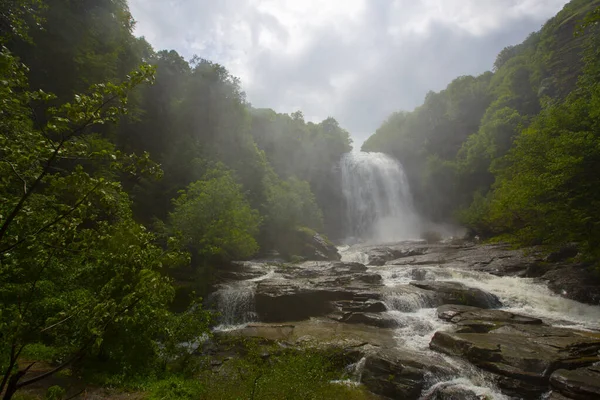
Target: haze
[(355, 60)]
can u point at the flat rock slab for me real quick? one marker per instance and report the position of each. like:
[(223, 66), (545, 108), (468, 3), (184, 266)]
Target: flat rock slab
[(521, 352), (459, 314), (319, 331), (458, 293), (374, 319), (581, 383), (309, 289)]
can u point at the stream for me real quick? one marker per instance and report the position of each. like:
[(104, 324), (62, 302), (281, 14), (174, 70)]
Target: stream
[(450, 320)]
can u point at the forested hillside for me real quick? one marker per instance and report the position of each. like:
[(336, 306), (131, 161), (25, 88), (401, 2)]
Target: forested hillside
[(121, 168), (513, 152)]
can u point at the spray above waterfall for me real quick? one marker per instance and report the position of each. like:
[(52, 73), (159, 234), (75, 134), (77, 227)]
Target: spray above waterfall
[(379, 204)]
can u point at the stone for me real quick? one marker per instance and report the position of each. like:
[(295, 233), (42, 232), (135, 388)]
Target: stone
[(314, 289), (372, 319), (458, 314), (399, 375), (374, 307), (523, 355), (381, 255), (458, 293), (277, 301), (574, 281), (418, 274), (308, 244), (449, 391), (554, 395), (568, 251), (581, 383)]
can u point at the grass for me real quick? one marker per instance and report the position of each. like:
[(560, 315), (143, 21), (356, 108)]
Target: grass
[(293, 375), (256, 369), (243, 368)]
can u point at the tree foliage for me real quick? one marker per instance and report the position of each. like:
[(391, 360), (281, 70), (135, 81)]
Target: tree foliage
[(213, 217), (513, 153), (76, 269)]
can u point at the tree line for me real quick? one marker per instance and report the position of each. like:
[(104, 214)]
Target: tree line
[(513, 153), (123, 168)]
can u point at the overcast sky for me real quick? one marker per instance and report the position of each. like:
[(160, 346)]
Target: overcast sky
[(354, 60)]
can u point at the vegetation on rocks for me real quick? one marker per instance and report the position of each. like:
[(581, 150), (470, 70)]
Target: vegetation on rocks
[(513, 152)]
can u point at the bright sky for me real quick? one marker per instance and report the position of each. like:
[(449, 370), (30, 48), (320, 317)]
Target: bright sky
[(354, 60)]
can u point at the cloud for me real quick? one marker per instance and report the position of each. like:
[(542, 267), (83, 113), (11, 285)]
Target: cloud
[(355, 60)]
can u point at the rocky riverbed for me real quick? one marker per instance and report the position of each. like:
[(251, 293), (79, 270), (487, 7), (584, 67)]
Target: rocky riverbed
[(444, 321)]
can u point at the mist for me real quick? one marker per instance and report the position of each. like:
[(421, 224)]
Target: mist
[(267, 199), (357, 61)]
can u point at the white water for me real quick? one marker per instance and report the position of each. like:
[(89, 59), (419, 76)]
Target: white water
[(417, 317), (235, 301), (379, 204)]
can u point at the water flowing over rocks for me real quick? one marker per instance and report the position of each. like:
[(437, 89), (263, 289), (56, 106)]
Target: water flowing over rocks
[(427, 321), (581, 383), (524, 353), (458, 293)]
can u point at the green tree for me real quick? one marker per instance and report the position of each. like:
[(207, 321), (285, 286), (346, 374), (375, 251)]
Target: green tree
[(213, 218), (75, 269)]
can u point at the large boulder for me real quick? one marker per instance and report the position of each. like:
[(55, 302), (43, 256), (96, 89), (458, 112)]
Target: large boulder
[(477, 320), (581, 383), (316, 289), (309, 245), (373, 319), (523, 355), (284, 300), (574, 281), (400, 375), (382, 255), (458, 293), (451, 391)]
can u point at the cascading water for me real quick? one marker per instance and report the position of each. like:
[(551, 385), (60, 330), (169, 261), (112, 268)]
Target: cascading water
[(379, 205), (416, 316), (235, 301)]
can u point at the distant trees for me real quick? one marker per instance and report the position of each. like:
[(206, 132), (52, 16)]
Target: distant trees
[(89, 233), (513, 153)]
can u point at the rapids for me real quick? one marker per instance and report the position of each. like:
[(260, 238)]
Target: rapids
[(380, 210)]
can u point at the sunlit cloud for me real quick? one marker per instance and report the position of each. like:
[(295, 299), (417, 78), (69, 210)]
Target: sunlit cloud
[(355, 60)]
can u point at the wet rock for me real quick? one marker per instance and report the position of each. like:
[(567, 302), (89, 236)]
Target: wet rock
[(523, 355), (308, 244), (310, 289), (399, 375), (342, 268), (372, 319), (568, 251), (465, 315), (582, 383), (520, 389), (418, 274), (370, 306), (576, 281), (380, 255), (554, 395), (458, 293), (279, 301), (374, 306), (449, 391)]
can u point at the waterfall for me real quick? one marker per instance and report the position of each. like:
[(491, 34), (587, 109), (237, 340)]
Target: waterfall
[(379, 204), (235, 305)]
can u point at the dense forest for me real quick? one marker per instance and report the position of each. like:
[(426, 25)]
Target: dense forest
[(513, 153), (128, 176), (123, 168)]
